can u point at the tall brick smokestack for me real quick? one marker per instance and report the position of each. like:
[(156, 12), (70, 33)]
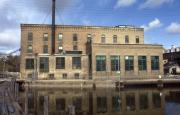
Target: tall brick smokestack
[(53, 26)]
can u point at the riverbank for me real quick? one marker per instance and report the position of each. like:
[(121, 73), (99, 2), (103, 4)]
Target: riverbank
[(160, 83)]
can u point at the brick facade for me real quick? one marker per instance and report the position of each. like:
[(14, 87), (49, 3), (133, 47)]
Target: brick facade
[(87, 51)]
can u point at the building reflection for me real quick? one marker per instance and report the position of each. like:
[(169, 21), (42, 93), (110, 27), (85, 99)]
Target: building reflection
[(99, 102)]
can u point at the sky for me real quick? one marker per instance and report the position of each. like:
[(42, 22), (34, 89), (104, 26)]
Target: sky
[(159, 18)]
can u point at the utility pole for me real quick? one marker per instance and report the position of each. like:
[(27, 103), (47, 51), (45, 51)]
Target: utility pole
[(53, 26)]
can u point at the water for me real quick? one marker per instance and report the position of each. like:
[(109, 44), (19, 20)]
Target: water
[(100, 102)]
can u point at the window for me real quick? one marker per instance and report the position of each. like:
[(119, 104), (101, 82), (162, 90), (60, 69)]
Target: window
[(64, 75), (100, 63), (30, 36), (76, 75), (126, 39), (115, 39), (75, 47), (75, 38), (76, 62), (155, 62), (137, 39), (115, 63), (60, 37), (60, 63), (142, 62), (129, 63), (29, 63), (89, 38), (103, 39), (44, 64), (29, 49), (45, 37), (45, 48)]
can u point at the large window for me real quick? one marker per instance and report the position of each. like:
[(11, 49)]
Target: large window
[(60, 63), (29, 63), (29, 49), (126, 39), (114, 38), (44, 64), (129, 63), (103, 38), (30, 36), (45, 48), (155, 62), (115, 63), (142, 62), (45, 37), (76, 62), (100, 63)]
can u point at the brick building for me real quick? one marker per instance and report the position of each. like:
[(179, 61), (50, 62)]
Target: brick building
[(88, 52)]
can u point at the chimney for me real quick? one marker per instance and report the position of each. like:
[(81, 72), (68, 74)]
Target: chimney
[(53, 26)]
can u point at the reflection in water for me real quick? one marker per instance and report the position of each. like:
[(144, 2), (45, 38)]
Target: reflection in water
[(130, 102), (156, 100), (100, 102), (143, 101), (116, 103)]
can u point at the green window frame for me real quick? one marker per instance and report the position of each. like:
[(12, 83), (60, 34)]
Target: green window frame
[(115, 63), (129, 63), (100, 63), (142, 63), (154, 62)]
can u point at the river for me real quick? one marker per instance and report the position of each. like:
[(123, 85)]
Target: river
[(107, 101)]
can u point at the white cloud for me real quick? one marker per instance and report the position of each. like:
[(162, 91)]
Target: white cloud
[(153, 24), (86, 22), (124, 3), (173, 28), (154, 3)]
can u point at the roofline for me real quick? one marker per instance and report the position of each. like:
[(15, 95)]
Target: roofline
[(88, 26), (129, 44)]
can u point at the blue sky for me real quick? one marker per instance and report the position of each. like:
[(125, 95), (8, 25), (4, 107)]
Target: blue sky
[(160, 18)]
